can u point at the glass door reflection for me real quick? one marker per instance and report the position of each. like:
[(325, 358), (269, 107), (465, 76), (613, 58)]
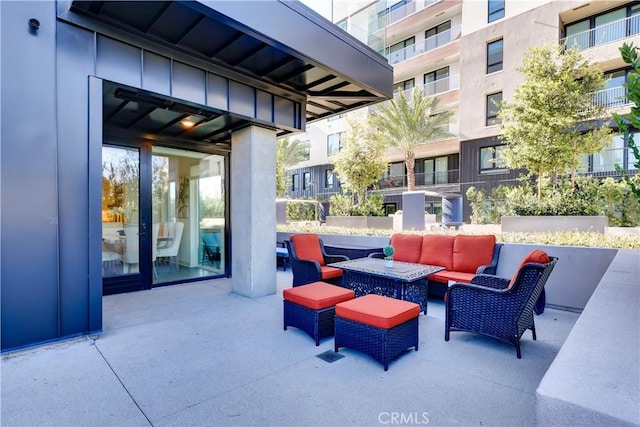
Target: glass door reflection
[(120, 211)]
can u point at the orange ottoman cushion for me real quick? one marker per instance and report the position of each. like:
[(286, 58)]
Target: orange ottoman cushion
[(317, 295), (375, 310)]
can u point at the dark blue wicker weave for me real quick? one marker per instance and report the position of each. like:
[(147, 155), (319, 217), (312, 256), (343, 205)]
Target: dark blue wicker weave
[(308, 271), (317, 323), (488, 307), (384, 345)]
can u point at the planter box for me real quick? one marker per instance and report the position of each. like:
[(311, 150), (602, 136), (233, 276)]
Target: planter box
[(382, 222), (594, 224)]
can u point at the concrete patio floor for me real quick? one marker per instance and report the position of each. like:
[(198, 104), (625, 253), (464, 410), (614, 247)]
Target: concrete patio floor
[(196, 354)]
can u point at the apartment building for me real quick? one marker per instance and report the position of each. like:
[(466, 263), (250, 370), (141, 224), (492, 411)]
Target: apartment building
[(466, 52)]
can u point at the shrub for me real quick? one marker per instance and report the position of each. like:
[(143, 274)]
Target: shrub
[(301, 211)]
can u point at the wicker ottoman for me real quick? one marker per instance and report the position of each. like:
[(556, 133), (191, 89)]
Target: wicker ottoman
[(379, 326), (311, 307)]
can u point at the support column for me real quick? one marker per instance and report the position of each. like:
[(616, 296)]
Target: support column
[(253, 211)]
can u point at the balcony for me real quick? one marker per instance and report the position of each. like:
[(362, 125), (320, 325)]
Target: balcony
[(424, 180), (615, 97), (428, 44), (395, 15), (608, 33)]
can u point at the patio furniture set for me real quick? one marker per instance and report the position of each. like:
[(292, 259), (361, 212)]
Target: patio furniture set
[(375, 309)]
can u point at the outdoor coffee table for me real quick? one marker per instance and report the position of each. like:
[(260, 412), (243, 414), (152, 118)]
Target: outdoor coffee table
[(405, 280)]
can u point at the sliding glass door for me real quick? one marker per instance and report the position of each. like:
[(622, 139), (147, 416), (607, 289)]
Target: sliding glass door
[(163, 216)]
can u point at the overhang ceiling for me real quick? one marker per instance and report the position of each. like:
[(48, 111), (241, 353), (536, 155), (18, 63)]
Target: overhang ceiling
[(335, 74)]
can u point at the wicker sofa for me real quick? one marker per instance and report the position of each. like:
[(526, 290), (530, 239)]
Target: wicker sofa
[(462, 256)]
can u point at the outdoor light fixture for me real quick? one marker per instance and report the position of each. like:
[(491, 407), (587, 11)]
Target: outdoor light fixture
[(34, 25), (188, 123)]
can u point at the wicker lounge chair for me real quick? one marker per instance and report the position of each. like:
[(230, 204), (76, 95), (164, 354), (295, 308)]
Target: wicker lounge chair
[(309, 261), (497, 307)]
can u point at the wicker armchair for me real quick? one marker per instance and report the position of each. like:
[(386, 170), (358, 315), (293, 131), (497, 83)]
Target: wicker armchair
[(497, 307), (309, 260)]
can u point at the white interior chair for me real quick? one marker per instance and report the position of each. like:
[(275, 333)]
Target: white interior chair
[(131, 255), (171, 250)]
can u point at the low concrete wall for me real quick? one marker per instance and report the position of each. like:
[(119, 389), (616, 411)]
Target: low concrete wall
[(574, 278), (382, 222), (594, 379), (596, 224)]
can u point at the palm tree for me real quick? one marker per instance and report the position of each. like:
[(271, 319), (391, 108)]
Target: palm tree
[(288, 153), (407, 122)]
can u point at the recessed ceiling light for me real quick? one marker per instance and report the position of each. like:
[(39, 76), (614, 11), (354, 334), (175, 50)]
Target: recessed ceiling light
[(188, 123)]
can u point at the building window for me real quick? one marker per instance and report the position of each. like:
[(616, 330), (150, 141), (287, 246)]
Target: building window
[(335, 142), (402, 50), (436, 171), (436, 81), (437, 36), (493, 107), (405, 85), (294, 182), (494, 56), (328, 178), (306, 180), (604, 28), (496, 10), (491, 159)]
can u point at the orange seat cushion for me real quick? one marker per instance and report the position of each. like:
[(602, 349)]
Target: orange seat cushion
[(307, 247), (437, 250), (330, 272), (375, 310), (318, 295), (537, 256), (470, 252), (445, 275), (406, 247)]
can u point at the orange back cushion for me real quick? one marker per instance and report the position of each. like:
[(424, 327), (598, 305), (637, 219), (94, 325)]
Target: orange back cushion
[(307, 247), (537, 255), (406, 247), (437, 250), (470, 252)]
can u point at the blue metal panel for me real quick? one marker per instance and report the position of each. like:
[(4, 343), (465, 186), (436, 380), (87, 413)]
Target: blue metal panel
[(284, 111), (242, 99), (75, 65), (118, 62), (218, 92), (156, 75), (188, 83), (95, 204), (29, 196), (264, 106)]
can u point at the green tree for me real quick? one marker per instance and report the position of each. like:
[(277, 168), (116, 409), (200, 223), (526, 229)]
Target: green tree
[(629, 54), (407, 122), (360, 163), (288, 153), (540, 123)]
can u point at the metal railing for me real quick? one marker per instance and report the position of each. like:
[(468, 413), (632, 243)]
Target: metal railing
[(430, 43), (604, 34), (610, 98), (451, 176), (395, 15)]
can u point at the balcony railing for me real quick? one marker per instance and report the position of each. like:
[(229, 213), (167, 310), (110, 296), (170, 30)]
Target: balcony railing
[(611, 98), (430, 43), (603, 34), (451, 176), (395, 15)]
